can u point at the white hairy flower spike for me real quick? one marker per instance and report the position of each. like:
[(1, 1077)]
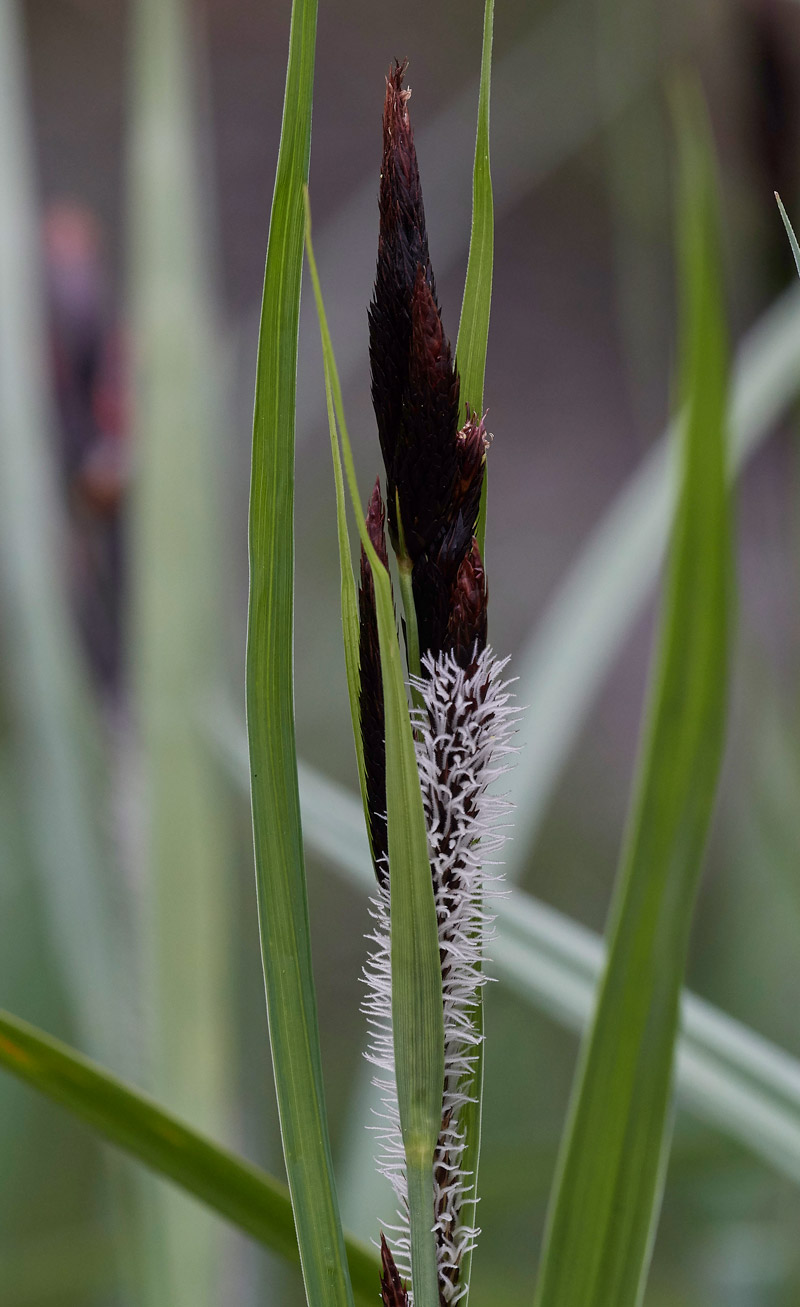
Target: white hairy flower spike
[(462, 736)]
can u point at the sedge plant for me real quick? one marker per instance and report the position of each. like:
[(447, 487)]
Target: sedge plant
[(428, 959), (433, 722)]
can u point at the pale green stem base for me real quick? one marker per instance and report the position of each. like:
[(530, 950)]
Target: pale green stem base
[(424, 1278)]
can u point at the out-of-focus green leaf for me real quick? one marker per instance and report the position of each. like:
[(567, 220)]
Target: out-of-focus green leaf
[(473, 329), (280, 871), (33, 1217), (249, 1198), (179, 442), (575, 641), (417, 1013), (53, 719), (610, 1170), (75, 1264), (54, 726)]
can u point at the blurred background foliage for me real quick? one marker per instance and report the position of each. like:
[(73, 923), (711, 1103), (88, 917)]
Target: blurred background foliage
[(137, 149)]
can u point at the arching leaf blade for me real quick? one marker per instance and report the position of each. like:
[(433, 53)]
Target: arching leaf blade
[(471, 350), (473, 327), (251, 1199), (280, 869), (610, 1170)]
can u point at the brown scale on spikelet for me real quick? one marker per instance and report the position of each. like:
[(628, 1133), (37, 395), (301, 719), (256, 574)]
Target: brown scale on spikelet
[(467, 624), (373, 725), (393, 1291), (434, 471), (426, 463), (450, 597), (449, 576), (414, 381), (471, 445), (402, 250)]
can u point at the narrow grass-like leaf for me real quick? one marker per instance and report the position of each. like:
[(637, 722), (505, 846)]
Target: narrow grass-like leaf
[(248, 1197), (280, 871), (728, 1076), (417, 1013), (473, 327), (473, 339), (177, 579), (582, 630), (349, 602), (789, 233), (610, 1171)]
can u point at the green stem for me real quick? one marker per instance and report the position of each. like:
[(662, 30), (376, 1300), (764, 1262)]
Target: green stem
[(424, 1277)]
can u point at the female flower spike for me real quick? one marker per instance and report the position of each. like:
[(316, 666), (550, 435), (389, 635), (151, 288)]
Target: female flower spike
[(463, 743), (464, 720)]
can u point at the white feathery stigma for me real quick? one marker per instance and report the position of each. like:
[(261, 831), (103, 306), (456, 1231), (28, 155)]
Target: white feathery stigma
[(462, 734)]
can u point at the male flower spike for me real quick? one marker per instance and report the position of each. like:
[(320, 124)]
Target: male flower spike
[(434, 466)]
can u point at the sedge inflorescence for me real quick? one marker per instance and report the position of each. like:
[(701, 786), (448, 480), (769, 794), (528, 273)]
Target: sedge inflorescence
[(434, 457)]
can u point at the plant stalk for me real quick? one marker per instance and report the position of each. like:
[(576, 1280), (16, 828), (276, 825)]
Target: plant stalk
[(424, 1277)]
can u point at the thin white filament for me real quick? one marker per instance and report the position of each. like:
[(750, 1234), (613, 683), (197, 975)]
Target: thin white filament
[(462, 746)]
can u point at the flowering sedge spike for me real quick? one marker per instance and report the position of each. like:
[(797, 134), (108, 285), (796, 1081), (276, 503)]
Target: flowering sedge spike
[(463, 721)]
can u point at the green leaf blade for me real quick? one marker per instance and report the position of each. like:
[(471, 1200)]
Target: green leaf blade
[(52, 721), (177, 619), (417, 1011), (609, 1176), (280, 870), (473, 327), (471, 350), (248, 1197), (349, 600)]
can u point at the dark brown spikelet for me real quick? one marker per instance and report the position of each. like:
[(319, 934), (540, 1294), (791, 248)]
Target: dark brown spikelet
[(450, 597), (402, 249), (467, 626), (471, 445), (373, 723), (426, 460), (393, 1291), (433, 581), (414, 381)]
